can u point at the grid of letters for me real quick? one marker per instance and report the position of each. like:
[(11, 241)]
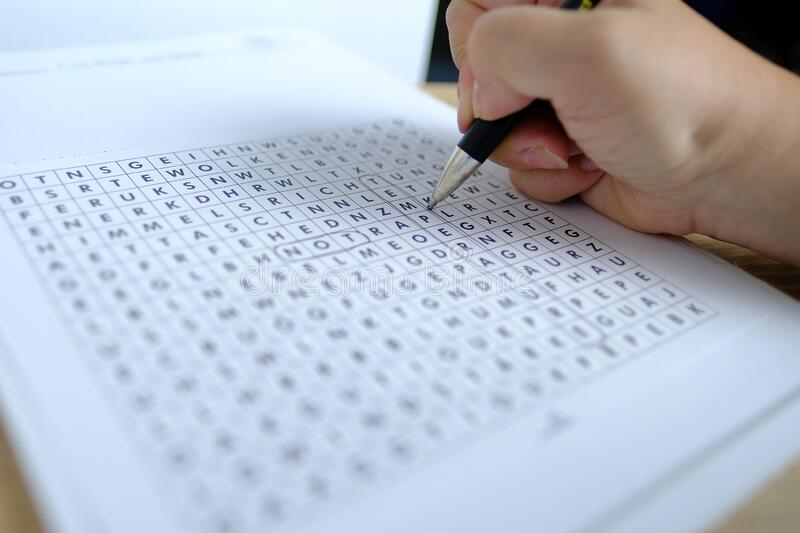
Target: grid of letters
[(281, 325)]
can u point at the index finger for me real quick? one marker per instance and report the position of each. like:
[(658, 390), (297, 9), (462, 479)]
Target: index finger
[(462, 14)]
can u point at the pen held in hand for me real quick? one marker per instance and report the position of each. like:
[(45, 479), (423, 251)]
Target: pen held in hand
[(483, 137)]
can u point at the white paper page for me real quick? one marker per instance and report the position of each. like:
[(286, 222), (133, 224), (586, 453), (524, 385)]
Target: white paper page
[(226, 309), (359, 25)]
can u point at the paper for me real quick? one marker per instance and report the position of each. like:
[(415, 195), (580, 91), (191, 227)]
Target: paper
[(232, 311), (359, 25)]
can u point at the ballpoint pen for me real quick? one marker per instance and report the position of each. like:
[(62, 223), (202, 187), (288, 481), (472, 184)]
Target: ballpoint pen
[(482, 138)]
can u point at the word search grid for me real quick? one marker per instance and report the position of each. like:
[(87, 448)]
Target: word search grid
[(281, 325)]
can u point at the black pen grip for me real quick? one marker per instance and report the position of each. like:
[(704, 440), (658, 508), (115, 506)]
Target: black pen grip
[(484, 136)]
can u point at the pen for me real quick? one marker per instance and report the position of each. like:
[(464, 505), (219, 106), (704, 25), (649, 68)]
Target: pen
[(482, 138)]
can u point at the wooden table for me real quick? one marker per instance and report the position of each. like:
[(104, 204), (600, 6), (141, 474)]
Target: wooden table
[(775, 509)]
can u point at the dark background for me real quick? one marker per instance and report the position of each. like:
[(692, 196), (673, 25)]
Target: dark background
[(770, 27)]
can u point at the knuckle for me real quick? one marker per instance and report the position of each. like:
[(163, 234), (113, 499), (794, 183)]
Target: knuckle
[(451, 14)]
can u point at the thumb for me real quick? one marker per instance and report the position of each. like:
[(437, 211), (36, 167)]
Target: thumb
[(519, 53)]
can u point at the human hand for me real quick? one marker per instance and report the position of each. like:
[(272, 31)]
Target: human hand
[(661, 121)]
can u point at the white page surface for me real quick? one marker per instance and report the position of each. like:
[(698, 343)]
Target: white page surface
[(227, 310), (394, 35)]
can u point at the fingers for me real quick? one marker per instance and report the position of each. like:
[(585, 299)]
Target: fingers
[(461, 16), (642, 212), (522, 52), (609, 197), (465, 82), (538, 142), (555, 185)]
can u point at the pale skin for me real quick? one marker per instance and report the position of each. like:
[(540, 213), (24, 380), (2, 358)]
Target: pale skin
[(662, 122)]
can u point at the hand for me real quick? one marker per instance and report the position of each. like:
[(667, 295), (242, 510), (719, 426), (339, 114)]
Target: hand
[(661, 121)]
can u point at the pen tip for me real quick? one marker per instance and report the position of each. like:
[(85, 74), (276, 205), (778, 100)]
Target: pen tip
[(431, 204)]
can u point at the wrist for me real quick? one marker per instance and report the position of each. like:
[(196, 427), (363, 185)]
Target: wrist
[(753, 194)]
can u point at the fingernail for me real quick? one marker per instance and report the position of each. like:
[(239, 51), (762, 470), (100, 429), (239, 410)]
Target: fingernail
[(477, 100), (539, 157), (587, 164)]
